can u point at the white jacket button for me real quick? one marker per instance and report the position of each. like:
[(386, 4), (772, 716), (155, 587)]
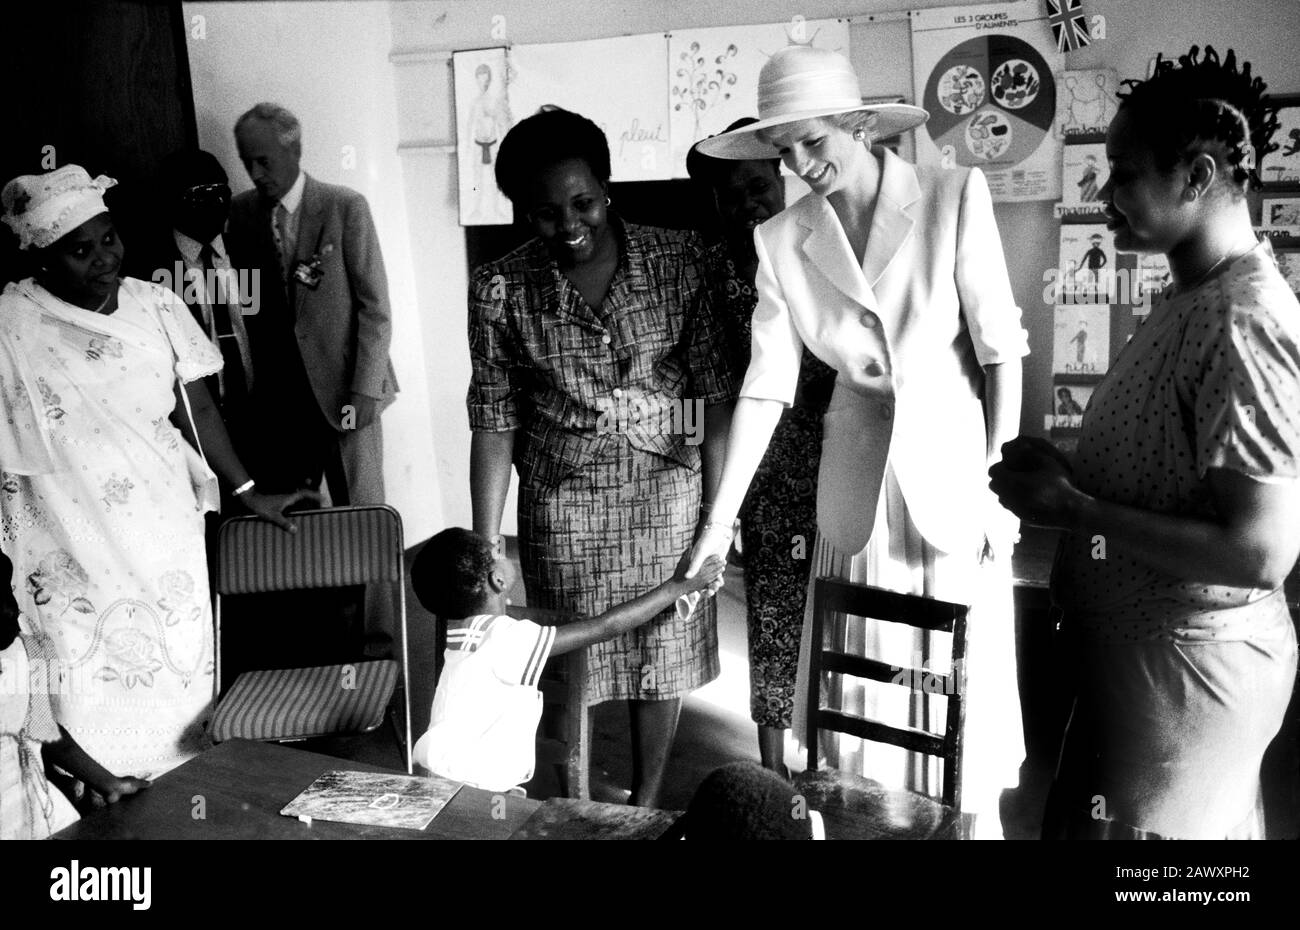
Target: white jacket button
[(868, 319)]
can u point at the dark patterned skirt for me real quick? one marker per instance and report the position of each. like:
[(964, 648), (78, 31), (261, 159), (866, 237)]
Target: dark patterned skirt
[(606, 534), (778, 529)]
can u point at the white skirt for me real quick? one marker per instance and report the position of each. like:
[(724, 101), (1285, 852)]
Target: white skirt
[(899, 559)]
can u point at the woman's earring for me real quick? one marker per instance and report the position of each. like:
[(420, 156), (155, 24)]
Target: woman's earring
[(859, 135), (608, 201), (1190, 194)]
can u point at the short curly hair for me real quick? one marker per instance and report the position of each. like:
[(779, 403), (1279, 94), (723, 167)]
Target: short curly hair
[(548, 137), (450, 574), (710, 171), (1204, 104)]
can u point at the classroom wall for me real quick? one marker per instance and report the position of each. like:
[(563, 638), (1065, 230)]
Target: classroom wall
[(378, 76), (328, 63), (1265, 31)]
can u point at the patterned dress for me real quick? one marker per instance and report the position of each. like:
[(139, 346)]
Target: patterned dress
[(1181, 685), (778, 519), (608, 404), (101, 503)]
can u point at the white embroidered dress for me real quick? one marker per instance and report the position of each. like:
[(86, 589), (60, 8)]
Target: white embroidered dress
[(102, 502)]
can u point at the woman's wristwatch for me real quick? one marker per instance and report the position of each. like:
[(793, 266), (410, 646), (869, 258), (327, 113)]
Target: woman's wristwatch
[(244, 488)]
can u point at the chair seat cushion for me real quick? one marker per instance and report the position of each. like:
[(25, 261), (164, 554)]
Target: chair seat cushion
[(853, 807), (300, 703)]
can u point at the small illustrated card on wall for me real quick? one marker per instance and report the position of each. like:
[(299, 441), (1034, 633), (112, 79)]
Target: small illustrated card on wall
[(1069, 399), (1153, 277), (1081, 345), (1086, 102), (1086, 272), (713, 73), (1283, 166), (482, 121), (1280, 215), (1288, 262), (1084, 171)]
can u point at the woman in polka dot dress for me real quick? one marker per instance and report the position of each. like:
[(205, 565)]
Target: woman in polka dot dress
[(1182, 502)]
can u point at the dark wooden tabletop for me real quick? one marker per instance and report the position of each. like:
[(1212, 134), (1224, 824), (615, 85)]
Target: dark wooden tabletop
[(241, 786)]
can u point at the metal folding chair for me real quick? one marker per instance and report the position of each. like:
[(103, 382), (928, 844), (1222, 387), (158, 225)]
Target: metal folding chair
[(333, 548)]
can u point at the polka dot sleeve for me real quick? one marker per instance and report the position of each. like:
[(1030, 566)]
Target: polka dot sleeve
[(1247, 405)]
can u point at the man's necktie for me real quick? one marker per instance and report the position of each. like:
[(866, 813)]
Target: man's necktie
[(234, 386), (279, 226)]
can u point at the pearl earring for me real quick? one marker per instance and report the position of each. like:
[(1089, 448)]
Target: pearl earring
[(859, 135)]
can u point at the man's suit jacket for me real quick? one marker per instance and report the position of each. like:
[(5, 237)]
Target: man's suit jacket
[(343, 326), (907, 332)]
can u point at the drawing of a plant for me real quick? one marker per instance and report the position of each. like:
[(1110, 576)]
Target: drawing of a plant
[(701, 85)]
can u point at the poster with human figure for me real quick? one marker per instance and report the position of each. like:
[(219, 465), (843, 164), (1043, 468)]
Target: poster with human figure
[(1084, 172), (482, 120), (1086, 102), (1283, 165), (1081, 342), (1086, 273), (1069, 401), (986, 74)]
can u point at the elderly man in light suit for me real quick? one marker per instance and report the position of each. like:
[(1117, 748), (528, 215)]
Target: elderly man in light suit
[(321, 336)]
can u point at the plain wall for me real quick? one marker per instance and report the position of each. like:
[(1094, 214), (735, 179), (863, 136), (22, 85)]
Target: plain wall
[(328, 63), (378, 76)]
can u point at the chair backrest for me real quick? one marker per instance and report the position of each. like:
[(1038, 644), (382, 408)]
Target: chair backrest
[(833, 596), (335, 547)]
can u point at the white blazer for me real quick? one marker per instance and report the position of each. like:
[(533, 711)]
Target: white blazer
[(908, 332)]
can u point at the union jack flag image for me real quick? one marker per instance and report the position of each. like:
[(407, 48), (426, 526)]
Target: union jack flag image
[(1069, 24)]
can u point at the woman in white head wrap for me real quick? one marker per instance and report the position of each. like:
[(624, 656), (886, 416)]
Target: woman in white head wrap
[(101, 496)]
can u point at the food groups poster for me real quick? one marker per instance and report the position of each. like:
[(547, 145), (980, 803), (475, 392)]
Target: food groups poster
[(986, 75)]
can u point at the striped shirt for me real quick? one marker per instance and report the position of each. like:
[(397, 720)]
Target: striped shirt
[(486, 708)]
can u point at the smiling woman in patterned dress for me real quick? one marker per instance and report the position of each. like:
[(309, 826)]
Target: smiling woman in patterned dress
[(602, 374)]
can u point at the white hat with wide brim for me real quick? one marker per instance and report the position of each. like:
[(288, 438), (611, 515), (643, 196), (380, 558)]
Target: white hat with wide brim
[(800, 82)]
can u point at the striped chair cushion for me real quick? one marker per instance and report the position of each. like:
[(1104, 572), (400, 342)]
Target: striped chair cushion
[(332, 548), (298, 703)]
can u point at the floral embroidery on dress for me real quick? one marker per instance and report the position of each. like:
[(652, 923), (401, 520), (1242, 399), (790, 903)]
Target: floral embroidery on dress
[(177, 599), (132, 652), (8, 483), (51, 400), (116, 491), (164, 434), (60, 576), (98, 348)]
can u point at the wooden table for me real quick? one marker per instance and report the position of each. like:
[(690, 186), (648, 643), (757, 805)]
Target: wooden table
[(244, 785)]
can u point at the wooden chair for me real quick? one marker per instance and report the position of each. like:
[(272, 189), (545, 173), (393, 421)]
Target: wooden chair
[(333, 548), (561, 684), (854, 806)]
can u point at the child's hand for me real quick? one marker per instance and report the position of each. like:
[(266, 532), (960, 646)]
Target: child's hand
[(117, 788), (709, 572)]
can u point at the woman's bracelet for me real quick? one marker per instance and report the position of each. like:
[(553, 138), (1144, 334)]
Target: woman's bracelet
[(244, 488), (722, 526)]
